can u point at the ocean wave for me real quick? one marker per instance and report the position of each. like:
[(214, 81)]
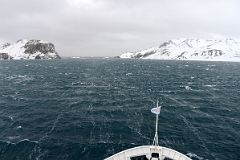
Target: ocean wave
[(188, 88), (19, 78), (98, 110), (19, 141), (193, 155), (210, 85)]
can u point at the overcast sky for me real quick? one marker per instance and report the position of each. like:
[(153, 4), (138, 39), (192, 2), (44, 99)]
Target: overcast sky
[(112, 27)]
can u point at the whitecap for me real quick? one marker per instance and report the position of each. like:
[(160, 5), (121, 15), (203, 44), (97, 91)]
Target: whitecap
[(127, 74), (188, 88), (210, 85), (193, 155), (10, 118), (23, 140), (20, 78), (13, 137)]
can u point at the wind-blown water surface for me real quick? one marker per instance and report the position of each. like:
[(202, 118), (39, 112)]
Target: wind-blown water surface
[(93, 108)]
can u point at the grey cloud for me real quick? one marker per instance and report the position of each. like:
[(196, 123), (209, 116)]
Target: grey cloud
[(110, 27)]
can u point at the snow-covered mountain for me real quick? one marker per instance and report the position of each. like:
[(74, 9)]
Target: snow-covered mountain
[(191, 49), (28, 49)]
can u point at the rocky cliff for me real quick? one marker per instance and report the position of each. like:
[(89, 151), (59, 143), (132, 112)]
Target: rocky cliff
[(28, 49)]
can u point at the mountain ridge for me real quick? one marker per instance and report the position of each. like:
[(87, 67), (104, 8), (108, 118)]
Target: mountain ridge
[(28, 49), (191, 49)]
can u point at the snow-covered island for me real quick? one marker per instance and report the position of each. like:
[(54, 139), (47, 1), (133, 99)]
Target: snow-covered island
[(191, 49), (28, 49)]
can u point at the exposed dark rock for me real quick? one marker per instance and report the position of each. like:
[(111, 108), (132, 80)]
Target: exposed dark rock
[(181, 56), (4, 56), (38, 57), (32, 49), (34, 46), (5, 45), (164, 44), (191, 49), (148, 54)]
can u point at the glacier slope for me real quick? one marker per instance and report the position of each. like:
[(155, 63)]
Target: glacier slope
[(191, 49)]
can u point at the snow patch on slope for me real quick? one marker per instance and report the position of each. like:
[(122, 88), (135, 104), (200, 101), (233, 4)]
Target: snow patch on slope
[(191, 49), (28, 49)]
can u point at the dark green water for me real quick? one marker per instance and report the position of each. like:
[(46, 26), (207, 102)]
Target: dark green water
[(93, 108)]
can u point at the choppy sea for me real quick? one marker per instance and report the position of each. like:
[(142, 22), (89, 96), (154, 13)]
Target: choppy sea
[(89, 109)]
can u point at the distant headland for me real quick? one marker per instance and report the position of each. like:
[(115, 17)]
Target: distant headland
[(28, 49), (191, 49)]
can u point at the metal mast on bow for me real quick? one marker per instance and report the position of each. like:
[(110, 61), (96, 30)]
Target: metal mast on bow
[(157, 112)]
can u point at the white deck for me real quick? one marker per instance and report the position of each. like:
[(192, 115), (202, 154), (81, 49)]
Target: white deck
[(148, 150)]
